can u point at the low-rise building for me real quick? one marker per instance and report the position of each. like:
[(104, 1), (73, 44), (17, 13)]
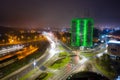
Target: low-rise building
[(114, 47)]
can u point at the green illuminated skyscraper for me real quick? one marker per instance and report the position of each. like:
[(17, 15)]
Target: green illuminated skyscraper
[(82, 32)]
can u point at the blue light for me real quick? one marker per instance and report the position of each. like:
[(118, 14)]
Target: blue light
[(102, 36), (114, 41), (118, 78)]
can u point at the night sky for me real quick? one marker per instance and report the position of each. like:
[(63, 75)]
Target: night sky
[(57, 13)]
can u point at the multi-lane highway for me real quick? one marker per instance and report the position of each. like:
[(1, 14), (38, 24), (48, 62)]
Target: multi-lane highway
[(50, 52)]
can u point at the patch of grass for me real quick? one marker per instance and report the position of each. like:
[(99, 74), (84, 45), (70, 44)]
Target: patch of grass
[(28, 75), (44, 76), (103, 65), (41, 76), (61, 48), (48, 76), (62, 54), (105, 72), (60, 63), (88, 54)]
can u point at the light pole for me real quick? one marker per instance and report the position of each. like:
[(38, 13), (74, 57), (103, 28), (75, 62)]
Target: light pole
[(34, 63)]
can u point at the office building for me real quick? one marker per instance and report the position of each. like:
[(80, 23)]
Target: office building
[(82, 32)]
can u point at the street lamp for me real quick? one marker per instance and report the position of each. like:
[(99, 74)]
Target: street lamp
[(34, 63)]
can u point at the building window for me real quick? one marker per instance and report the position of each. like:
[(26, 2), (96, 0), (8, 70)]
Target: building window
[(114, 50)]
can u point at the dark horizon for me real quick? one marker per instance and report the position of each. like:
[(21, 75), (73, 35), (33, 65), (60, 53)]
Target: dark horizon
[(34, 14)]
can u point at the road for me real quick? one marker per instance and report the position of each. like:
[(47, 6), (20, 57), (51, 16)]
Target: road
[(24, 70), (50, 52)]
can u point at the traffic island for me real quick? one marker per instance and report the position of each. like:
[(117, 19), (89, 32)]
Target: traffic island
[(44, 76), (60, 63)]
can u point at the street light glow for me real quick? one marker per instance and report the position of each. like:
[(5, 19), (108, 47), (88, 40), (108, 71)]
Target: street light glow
[(114, 41), (34, 63)]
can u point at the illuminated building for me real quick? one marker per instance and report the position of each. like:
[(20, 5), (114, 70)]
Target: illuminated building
[(82, 32), (114, 47)]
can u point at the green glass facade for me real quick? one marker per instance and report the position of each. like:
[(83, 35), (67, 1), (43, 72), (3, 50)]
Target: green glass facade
[(82, 32)]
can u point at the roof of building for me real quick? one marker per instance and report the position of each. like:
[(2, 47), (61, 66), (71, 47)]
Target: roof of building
[(116, 33), (114, 42)]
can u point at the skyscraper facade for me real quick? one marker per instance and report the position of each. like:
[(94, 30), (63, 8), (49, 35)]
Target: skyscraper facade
[(82, 32)]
